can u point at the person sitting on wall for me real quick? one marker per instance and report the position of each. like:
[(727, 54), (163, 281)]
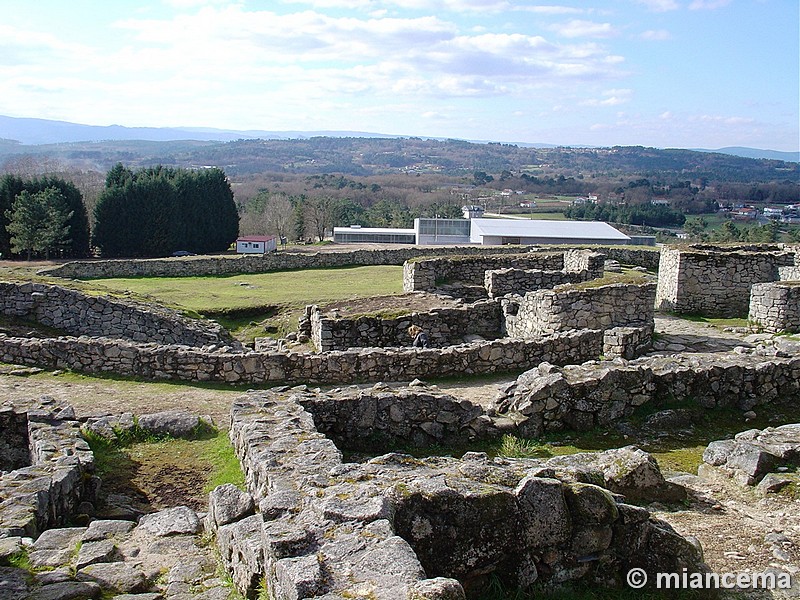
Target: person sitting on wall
[(419, 336)]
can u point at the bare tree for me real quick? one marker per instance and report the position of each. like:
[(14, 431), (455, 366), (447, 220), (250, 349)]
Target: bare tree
[(320, 215), (278, 215)]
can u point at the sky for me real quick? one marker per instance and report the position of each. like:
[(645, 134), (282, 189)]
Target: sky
[(663, 73)]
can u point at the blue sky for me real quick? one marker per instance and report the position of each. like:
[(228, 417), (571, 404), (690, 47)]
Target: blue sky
[(665, 73)]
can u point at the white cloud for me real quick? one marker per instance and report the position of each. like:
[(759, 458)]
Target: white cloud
[(580, 28), (612, 97), (432, 6), (655, 35), (659, 5), (552, 10), (722, 119), (708, 4)]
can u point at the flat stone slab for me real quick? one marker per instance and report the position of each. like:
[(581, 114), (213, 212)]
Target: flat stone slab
[(172, 521), (50, 557), (117, 576), (13, 583), (100, 530), (175, 423), (58, 539), (102, 551), (68, 590)]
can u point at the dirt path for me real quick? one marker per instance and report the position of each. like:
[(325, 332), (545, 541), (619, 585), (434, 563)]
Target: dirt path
[(91, 396)]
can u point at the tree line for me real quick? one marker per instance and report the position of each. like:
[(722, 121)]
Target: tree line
[(638, 214), (152, 211)]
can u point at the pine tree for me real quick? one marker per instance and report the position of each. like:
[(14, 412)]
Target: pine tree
[(38, 222), (11, 186)]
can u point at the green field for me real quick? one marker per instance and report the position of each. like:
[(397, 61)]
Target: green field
[(212, 294), (246, 304)]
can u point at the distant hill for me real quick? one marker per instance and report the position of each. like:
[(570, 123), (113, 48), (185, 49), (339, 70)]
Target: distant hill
[(28, 131), (362, 154), (43, 131), (756, 153)]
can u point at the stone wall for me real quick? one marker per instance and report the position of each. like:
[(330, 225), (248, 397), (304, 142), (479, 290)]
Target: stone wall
[(374, 419), (715, 281), (197, 266), (789, 273), (58, 477), (776, 306), (581, 397), (579, 260), (627, 342), (182, 363), (14, 444), (500, 282), (444, 326), (323, 527), (426, 274), (283, 261), (77, 313), (564, 308)]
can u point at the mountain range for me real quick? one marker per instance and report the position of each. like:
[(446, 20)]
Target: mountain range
[(27, 131)]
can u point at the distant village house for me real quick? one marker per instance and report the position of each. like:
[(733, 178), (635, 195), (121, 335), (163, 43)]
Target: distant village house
[(256, 244)]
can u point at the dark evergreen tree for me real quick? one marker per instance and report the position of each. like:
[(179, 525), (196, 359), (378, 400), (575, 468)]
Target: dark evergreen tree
[(135, 219), (157, 210), (11, 186), (78, 223)]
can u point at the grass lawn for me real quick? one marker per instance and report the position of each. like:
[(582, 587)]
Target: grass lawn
[(274, 300), (211, 294)]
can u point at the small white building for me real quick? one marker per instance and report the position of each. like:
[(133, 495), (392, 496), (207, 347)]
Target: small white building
[(472, 211), (256, 244)]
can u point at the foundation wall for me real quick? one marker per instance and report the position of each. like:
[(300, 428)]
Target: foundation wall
[(716, 281)]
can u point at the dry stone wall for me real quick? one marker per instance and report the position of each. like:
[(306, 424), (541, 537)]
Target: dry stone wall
[(14, 444), (564, 308), (426, 274), (715, 281), (790, 273), (284, 261), (47, 490), (776, 306), (581, 397), (400, 527), (444, 326), (77, 313), (152, 361), (501, 282), (251, 264)]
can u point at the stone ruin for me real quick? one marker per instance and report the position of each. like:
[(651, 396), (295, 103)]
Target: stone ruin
[(601, 393), (311, 525), (715, 281), (775, 307), (46, 467), (76, 313), (767, 458)]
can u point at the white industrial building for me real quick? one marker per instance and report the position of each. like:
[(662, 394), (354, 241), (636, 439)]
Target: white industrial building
[(499, 232), (485, 232), (355, 234)]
